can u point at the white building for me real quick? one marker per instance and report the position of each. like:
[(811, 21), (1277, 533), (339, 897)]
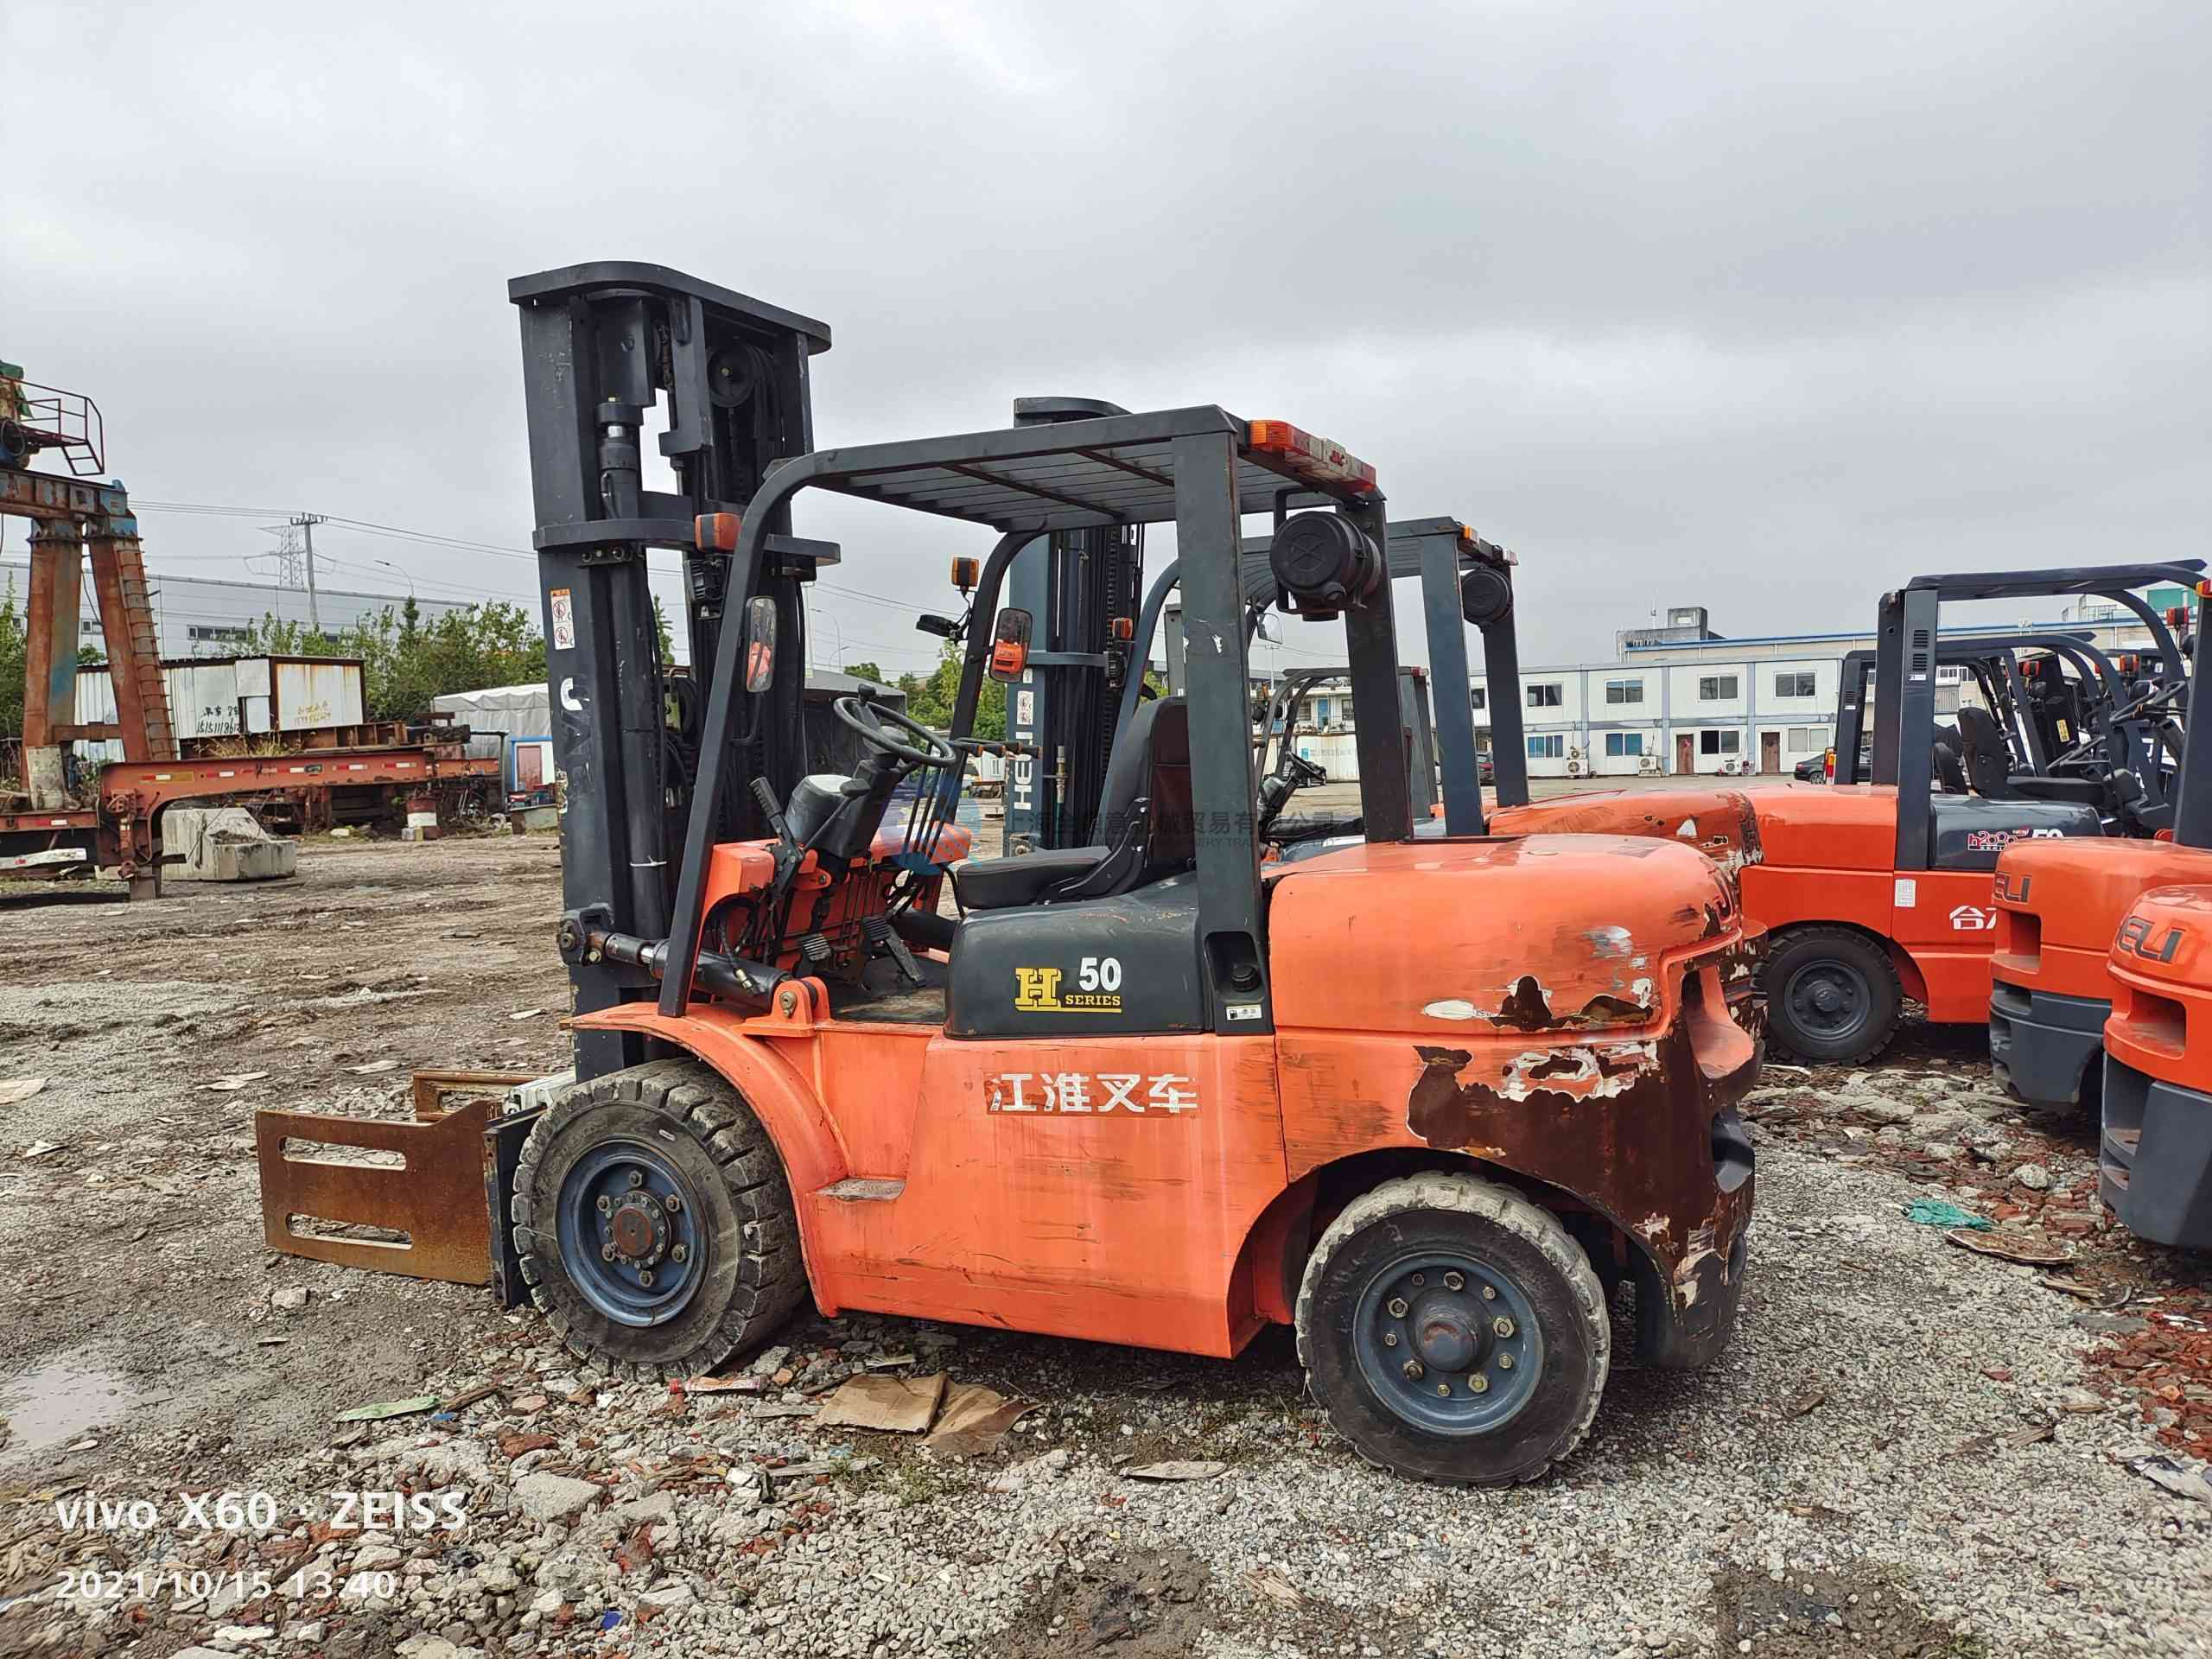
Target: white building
[(1680, 699), (207, 616), (1722, 714)]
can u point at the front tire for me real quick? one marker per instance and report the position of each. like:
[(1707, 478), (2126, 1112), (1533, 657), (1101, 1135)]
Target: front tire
[(658, 1234), (1454, 1332), (1832, 996)]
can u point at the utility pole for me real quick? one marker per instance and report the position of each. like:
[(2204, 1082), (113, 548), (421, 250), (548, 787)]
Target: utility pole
[(306, 522)]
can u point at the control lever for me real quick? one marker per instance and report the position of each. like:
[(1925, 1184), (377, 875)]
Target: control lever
[(789, 855), (772, 810)]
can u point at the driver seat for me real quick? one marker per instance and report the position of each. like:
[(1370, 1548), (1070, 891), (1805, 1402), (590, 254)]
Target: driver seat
[(1144, 827), (1988, 759)]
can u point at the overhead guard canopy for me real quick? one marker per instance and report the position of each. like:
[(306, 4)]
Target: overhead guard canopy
[(1118, 470), (2038, 584)]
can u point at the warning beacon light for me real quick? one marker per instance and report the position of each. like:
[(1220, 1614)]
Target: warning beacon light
[(1311, 460)]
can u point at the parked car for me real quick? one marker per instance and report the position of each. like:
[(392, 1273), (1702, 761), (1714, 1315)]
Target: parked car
[(1818, 768)]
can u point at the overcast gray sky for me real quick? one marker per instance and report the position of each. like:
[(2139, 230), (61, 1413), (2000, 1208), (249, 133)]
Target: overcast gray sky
[(1763, 306)]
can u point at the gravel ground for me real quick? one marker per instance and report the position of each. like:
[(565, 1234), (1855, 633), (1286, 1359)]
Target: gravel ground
[(1909, 1450)]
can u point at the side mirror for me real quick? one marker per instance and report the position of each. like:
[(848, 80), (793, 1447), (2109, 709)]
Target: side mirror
[(1010, 645), (760, 644)]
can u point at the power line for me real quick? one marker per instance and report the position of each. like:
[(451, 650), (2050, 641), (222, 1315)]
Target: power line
[(433, 538)]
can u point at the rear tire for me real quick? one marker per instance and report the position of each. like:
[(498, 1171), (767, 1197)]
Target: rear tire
[(658, 1234), (1831, 997), (1454, 1332)]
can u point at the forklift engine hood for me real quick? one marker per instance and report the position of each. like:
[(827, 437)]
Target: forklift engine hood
[(1555, 933), (1722, 823)]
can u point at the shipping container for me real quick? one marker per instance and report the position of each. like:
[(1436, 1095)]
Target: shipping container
[(234, 697)]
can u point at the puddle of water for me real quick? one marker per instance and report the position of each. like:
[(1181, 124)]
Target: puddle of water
[(55, 1403)]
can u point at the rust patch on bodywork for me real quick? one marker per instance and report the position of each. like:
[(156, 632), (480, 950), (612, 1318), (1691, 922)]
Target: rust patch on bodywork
[(1627, 1126), (1525, 1008)]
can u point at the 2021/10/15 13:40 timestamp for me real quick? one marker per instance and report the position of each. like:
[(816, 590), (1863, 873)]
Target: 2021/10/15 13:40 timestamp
[(142, 1584)]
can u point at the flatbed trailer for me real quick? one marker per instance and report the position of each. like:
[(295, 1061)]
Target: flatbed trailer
[(123, 833)]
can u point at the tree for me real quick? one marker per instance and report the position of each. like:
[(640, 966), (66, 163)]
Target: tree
[(407, 661), (929, 697), (869, 671)]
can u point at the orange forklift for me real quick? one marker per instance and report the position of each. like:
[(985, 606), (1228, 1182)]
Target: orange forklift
[(2058, 905), (1426, 1103), (1872, 893), (2154, 1149)]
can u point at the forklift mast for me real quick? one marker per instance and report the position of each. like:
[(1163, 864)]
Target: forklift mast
[(611, 352), (1083, 585)]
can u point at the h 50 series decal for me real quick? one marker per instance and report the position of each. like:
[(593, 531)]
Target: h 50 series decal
[(2135, 935), (1037, 990)]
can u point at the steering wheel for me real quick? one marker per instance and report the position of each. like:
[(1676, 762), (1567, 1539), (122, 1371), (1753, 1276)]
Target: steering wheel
[(869, 723)]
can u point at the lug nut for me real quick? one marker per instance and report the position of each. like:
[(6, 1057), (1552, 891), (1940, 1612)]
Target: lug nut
[(1501, 1325), (1478, 1383), (675, 1202), (1490, 1293), (679, 1253), (637, 1178), (1397, 1308), (1420, 1278), (1454, 1280), (607, 1252), (646, 1277), (1389, 1338), (1411, 1371), (1505, 1361), (1443, 1390), (606, 1204)]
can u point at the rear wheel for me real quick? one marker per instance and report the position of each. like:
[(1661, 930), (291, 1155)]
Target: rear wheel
[(1454, 1332), (657, 1230), (1832, 996)]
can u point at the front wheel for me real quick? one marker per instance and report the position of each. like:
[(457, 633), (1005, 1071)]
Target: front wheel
[(658, 1234), (1454, 1332)]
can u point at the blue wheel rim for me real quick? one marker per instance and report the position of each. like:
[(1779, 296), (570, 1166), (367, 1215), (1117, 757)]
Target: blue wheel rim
[(617, 1198), (1448, 1341)]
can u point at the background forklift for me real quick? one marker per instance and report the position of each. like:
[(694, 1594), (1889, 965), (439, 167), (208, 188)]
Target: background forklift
[(2040, 711), (1871, 893), (1423, 1105), (2154, 1145), (1057, 766), (2059, 904), (1276, 751)]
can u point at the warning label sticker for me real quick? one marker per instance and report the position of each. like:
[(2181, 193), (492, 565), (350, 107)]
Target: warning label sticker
[(564, 619)]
